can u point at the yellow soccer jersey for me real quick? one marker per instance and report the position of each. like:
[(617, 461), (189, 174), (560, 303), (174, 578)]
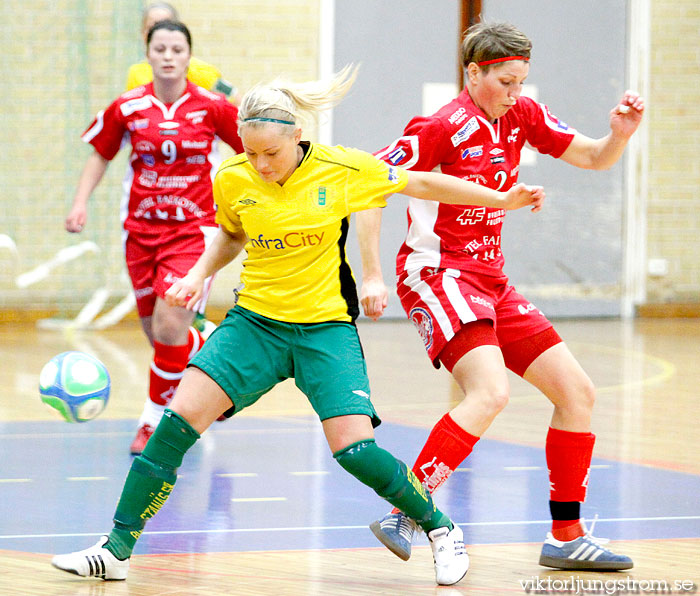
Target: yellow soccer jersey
[(297, 270), (200, 73)]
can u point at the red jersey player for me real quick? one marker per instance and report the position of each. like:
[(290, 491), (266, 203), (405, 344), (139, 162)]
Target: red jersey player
[(169, 215), (452, 286)]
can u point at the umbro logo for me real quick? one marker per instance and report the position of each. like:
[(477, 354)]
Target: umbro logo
[(247, 202)]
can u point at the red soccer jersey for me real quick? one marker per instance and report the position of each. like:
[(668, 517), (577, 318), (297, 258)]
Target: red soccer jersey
[(460, 140), (171, 146)]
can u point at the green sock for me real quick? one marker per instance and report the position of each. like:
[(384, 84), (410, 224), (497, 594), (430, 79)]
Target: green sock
[(393, 481), (150, 481)]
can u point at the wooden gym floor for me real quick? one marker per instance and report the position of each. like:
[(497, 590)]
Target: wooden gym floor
[(261, 507)]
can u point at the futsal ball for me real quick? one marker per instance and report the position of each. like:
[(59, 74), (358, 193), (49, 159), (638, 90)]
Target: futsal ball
[(76, 385)]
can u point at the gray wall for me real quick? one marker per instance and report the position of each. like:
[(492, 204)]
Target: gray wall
[(568, 258)]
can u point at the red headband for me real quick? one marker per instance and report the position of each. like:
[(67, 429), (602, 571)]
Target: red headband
[(506, 59)]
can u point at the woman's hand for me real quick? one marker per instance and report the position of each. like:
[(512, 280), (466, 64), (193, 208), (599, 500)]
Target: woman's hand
[(522, 195), (75, 221), (374, 297), (186, 291)]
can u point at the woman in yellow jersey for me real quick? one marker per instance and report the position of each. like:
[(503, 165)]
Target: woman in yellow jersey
[(200, 73), (288, 202)]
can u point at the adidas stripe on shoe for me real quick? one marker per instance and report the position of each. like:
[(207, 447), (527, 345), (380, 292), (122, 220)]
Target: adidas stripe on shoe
[(395, 531), (95, 561), (585, 553)]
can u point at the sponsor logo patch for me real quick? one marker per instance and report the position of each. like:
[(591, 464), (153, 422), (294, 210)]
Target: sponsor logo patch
[(289, 240), (144, 146), (397, 156), (458, 116), (194, 144), (133, 105), (393, 175), (138, 124), (476, 151), (465, 132), (424, 324)]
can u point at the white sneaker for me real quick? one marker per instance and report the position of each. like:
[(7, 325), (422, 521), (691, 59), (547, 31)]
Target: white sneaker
[(95, 561), (450, 555)]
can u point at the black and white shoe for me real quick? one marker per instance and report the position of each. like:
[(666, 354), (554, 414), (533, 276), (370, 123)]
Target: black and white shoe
[(95, 561), (450, 555)]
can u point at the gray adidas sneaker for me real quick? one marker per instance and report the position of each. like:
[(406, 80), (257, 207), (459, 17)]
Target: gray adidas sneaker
[(395, 531)]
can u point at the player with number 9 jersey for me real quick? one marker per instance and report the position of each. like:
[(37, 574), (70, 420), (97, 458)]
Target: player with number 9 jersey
[(170, 167), (168, 209)]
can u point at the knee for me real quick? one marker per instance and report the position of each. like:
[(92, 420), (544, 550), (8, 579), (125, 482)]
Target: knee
[(171, 332), (497, 400), (491, 401), (170, 326), (578, 396), (586, 394)]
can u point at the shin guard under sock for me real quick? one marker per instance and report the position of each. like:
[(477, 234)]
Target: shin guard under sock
[(447, 446), (391, 480), (569, 461), (150, 481), (168, 365)]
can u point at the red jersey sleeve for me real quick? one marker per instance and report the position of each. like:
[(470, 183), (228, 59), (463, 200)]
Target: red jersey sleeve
[(227, 125), (106, 131), (544, 131), (424, 145)]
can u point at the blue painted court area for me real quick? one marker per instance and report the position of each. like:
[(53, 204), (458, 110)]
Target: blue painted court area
[(271, 483)]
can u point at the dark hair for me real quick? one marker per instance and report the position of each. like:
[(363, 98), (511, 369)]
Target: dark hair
[(169, 25), (490, 41)]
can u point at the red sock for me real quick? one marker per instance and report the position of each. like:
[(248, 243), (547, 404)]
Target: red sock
[(447, 446), (569, 462), (166, 371), (195, 341), (566, 530)]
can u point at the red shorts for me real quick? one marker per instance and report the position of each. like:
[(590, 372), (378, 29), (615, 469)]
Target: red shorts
[(156, 261), (440, 301)]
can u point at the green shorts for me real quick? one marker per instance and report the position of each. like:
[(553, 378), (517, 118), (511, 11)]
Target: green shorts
[(248, 354)]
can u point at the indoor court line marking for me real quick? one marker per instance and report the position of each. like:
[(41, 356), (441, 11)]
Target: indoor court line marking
[(537, 468), (10, 480), (128, 433), (257, 499), (238, 475), (362, 527)]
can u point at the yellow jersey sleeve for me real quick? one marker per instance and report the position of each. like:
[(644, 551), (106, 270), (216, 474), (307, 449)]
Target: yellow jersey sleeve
[(374, 180)]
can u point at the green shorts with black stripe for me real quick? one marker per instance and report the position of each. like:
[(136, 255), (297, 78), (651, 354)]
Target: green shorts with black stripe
[(248, 354)]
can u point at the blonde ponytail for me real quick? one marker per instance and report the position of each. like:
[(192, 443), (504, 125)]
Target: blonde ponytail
[(285, 103)]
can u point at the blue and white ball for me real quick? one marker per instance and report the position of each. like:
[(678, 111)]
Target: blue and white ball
[(76, 385)]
